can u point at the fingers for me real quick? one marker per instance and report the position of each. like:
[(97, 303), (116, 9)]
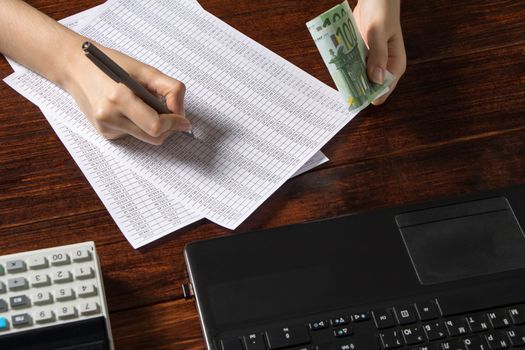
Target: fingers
[(396, 64), (124, 113), (146, 118), (173, 90), (377, 56)]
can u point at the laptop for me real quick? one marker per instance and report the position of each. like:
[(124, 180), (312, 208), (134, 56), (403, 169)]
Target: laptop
[(449, 274)]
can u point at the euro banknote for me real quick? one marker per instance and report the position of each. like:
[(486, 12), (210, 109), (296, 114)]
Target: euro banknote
[(344, 52)]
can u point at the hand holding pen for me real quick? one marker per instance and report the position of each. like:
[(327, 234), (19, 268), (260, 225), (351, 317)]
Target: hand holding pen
[(132, 106)]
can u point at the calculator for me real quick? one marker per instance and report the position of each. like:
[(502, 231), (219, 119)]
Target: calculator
[(53, 299)]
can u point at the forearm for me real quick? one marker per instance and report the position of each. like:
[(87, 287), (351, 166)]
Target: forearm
[(38, 42)]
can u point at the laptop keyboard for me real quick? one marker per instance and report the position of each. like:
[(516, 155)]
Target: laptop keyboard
[(427, 325)]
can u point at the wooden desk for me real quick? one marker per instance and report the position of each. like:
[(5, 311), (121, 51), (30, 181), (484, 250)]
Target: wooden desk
[(455, 124)]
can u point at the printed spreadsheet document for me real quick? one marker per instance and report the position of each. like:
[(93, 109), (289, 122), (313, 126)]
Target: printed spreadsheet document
[(257, 117)]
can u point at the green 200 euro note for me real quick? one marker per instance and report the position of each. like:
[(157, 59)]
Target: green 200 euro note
[(344, 52)]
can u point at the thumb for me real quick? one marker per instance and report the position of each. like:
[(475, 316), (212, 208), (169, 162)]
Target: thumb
[(377, 56)]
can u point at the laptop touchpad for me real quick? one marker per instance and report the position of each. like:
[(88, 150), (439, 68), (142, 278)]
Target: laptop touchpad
[(463, 240)]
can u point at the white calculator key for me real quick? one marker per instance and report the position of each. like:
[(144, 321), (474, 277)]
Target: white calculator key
[(44, 316), (64, 294), (18, 283), (66, 312), (38, 262), (62, 276), (89, 308), (42, 298), (81, 255), (83, 273), (86, 290), (40, 280), (15, 266), (59, 259)]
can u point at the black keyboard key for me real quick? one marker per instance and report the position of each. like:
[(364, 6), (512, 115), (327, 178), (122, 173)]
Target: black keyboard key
[(497, 341), (477, 323), (413, 335), (456, 326), (518, 314), (435, 330), (405, 314), (499, 318), (284, 337), (383, 319), (342, 332), (431, 346), (317, 325), (356, 342), (340, 321), (471, 300), (475, 343), (254, 341), (231, 344), (427, 310), (453, 344), (517, 337), (391, 339), (363, 316)]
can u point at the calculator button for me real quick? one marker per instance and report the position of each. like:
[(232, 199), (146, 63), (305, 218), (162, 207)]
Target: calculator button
[(64, 294), (62, 276), (83, 273), (15, 266), (67, 312), (44, 316), (4, 324), (58, 259), (37, 262), (3, 306), (86, 290), (22, 320), (2, 270), (81, 255), (42, 298), (40, 280), (18, 283), (89, 308), (19, 301), (2, 288)]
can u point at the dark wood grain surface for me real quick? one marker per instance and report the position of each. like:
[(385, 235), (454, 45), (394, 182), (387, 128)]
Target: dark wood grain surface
[(454, 125)]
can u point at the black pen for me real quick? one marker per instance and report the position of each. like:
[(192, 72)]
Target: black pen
[(118, 74)]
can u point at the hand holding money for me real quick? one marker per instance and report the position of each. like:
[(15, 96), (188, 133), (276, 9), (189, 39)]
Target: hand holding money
[(344, 52), (379, 23)]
